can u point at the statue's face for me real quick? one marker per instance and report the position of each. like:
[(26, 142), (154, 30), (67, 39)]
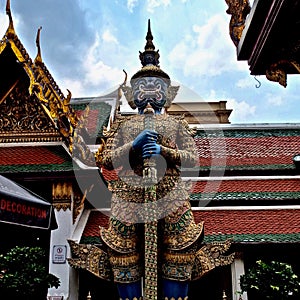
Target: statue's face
[(149, 90)]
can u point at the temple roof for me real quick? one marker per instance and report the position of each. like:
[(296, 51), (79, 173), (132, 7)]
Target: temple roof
[(241, 150), (247, 187), (250, 226), (263, 148), (96, 113), (248, 191), (35, 159), (43, 104)]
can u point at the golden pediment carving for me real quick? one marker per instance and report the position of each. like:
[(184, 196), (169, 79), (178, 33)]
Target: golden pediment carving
[(21, 114), (62, 195)]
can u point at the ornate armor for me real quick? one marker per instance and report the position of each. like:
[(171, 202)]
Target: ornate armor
[(179, 233)]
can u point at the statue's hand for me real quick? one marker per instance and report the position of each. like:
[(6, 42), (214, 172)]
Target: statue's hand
[(145, 137), (151, 149)]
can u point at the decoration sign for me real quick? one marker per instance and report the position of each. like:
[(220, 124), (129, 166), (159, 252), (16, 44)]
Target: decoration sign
[(19, 211), (20, 206), (59, 254)]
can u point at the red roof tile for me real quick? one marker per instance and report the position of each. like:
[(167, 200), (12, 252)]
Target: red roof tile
[(227, 222), (253, 152), (229, 151), (95, 220), (28, 156), (110, 175), (35, 159), (92, 120), (247, 186), (262, 221)]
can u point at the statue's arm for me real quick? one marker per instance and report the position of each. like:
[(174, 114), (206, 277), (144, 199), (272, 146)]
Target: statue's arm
[(115, 152), (185, 154), (112, 158)]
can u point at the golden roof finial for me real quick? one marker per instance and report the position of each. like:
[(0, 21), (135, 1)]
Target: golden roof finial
[(38, 58), (10, 30)]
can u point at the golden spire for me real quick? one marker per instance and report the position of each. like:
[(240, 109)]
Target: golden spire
[(10, 30), (38, 58)]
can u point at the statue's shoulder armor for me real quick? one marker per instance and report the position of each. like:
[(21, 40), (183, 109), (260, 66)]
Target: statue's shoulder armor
[(115, 125), (184, 123)]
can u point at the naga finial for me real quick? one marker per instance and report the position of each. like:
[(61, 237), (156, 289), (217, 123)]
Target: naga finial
[(8, 11), (10, 30), (38, 58), (125, 80)]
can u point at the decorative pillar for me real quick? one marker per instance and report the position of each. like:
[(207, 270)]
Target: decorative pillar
[(237, 269), (62, 198)]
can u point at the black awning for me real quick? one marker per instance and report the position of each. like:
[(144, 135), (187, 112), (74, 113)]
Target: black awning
[(22, 207)]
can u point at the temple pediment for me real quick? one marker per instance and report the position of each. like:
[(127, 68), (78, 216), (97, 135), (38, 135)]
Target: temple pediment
[(34, 109)]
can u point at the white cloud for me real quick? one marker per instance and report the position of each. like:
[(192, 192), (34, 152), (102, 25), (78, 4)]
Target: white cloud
[(212, 96), (274, 100), (76, 87), (4, 24), (131, 4), (107, 36), (207, 50), (241, 110), (246, 82), (152, 4), (96, 70)]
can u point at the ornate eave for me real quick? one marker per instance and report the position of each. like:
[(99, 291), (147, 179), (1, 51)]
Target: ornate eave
[(270, 39)]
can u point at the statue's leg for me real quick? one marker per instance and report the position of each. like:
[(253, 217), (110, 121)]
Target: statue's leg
[(131, 291), (127, 275), (124, 256), (182, 238), (175, 289)]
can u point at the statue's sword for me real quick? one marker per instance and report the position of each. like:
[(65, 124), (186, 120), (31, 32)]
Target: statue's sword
[(150, 179)]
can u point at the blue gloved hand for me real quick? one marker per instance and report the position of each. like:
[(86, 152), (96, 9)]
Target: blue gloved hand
[(151, 149), (146, 136)]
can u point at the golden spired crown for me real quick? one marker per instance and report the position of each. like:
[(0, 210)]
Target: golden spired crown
[(149, 59)]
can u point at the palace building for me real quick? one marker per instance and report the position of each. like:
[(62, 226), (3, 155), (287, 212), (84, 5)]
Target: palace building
[(246, 186)]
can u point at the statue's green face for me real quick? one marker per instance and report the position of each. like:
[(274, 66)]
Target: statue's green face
[(149, 90)]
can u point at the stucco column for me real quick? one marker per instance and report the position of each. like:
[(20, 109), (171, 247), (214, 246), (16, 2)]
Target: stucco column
[(59, 252), (237, 269)]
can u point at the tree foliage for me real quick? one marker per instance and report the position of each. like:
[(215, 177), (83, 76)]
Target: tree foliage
[(274, 280), (24, 273)]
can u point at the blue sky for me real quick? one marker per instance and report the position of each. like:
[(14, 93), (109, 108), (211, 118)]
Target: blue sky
[(87, 43)]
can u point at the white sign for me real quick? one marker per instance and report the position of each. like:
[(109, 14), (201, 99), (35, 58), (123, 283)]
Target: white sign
[(59, 254)]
